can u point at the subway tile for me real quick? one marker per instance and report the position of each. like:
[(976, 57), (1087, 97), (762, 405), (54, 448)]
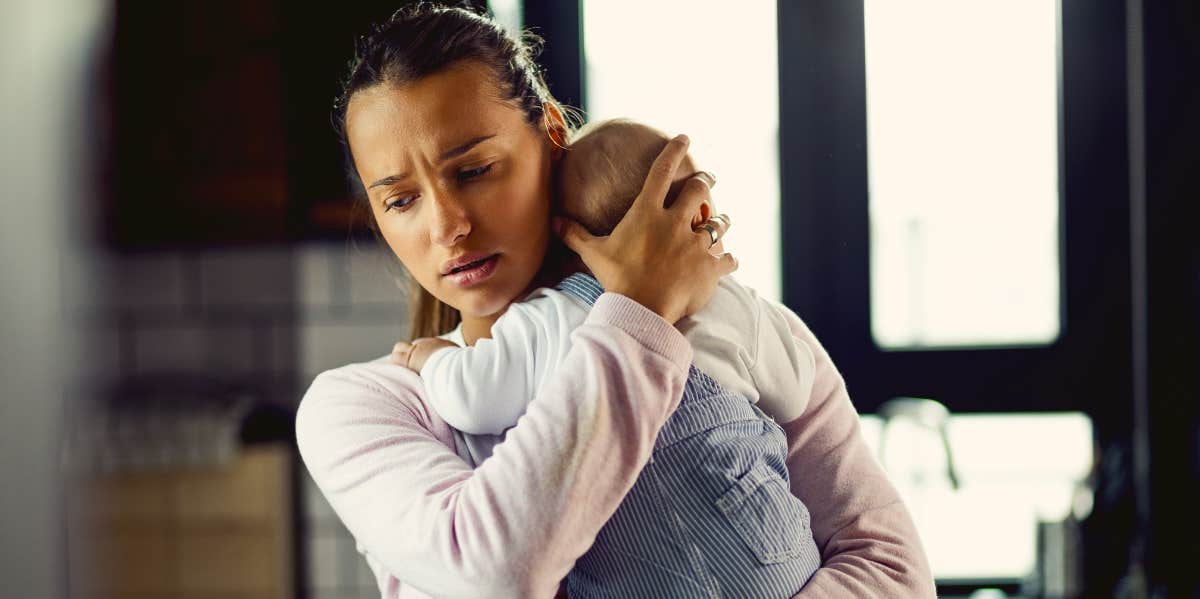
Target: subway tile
[(375, 275), (98, 358), (322, 559), (314, 274), (316, 509), (278, 340), (325, 345), (136, 282), (348, 560), (169, 347), (80, 274), (247, 278), (232, 348), (366, 577)]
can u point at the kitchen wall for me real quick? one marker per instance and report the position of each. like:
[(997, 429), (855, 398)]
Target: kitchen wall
[(267, 318)]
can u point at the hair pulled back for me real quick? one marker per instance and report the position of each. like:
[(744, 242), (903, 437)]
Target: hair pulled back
[(423, 39)]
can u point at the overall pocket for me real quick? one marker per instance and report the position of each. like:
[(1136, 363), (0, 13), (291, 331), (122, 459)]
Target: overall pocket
[(771, 521)]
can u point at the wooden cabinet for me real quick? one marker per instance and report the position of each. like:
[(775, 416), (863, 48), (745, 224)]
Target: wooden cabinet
[(215, 122), (212, 533)]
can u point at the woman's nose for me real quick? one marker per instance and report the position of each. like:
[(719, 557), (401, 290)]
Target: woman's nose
[(451, 222)]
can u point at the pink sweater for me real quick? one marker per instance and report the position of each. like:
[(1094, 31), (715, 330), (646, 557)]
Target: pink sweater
[(430, 525)]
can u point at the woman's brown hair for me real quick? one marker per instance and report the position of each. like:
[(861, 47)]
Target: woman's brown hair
[(423, 39)]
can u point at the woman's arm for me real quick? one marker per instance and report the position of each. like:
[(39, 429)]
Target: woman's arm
[(515, 526), (869, 545)]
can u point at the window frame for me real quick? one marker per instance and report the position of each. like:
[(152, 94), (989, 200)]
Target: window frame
[(825, 224)]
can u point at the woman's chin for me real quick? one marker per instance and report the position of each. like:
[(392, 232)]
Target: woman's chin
[(483, 303)]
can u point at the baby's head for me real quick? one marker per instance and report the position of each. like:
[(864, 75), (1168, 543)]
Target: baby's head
[(604, 170)]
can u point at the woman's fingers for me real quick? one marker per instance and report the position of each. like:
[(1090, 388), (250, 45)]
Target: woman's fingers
[(693, 195), (713, 229), (726, 264), (662, 172)]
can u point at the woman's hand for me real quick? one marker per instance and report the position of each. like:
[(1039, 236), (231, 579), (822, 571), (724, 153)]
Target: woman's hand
[(654, 256)]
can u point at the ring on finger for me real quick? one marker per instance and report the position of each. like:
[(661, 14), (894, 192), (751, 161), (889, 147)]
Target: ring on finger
[(712, 232), (723, 219)]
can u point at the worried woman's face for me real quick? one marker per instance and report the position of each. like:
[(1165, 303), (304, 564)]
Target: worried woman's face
[(459, 184)]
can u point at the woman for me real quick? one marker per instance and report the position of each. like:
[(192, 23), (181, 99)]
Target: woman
[(454, 137)]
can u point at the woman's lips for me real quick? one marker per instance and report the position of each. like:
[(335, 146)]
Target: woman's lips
[(474, 273)]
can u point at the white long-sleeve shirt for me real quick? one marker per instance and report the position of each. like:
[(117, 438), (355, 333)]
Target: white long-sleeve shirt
[(739, 339)]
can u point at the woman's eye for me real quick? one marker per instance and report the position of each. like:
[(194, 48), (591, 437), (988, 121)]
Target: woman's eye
[(475, 172), (398, 203)]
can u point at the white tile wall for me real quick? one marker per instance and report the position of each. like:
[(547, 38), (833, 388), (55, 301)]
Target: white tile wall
[(173, 347), (235, 348), (275, 316), (102, 360), (324, 555), (135, 282), (359, 317), (314, 276), (325, 345), (375, 275), (247, 277)]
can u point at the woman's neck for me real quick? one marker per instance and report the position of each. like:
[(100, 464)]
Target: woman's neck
[(475, 328), (556, 266)]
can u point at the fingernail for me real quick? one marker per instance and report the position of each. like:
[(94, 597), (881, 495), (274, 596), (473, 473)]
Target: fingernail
[(683, 138), (556, 225)]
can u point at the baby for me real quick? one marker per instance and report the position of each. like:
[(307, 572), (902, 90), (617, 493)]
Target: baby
[(712, 513)]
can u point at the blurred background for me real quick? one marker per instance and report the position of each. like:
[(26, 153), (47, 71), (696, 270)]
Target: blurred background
[(983, 208)]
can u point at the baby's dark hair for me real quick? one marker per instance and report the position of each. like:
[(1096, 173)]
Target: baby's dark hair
[(604, 170)]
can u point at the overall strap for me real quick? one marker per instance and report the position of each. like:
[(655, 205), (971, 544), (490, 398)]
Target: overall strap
[(581, 285)]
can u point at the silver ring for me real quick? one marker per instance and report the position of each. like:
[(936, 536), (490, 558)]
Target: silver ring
[(712, 232), (723, 219)]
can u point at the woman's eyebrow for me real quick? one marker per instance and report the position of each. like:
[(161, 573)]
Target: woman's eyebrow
[(388, 180), (464, 148), (448, 154)]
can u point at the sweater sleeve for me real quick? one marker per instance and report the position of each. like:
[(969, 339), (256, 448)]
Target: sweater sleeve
[(483, 389), (514, 526), (869, 545)]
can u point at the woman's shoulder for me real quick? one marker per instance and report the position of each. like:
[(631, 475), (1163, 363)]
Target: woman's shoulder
[(376, 388)]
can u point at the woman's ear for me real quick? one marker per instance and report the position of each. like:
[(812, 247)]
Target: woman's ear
[(555, 124)]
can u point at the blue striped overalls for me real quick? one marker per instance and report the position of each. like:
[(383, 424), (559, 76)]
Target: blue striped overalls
[(711, 514)]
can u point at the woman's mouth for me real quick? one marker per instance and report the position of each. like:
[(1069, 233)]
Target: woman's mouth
[(474, 272)]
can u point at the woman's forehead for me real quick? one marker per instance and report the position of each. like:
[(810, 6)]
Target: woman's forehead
[(435, 112)]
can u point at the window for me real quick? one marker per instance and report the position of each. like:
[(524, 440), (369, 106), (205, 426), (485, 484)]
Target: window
[(986, 529), (962, 147), (724, 96), (508, 13)]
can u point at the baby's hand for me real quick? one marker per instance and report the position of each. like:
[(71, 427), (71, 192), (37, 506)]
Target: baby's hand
[(413, 355)]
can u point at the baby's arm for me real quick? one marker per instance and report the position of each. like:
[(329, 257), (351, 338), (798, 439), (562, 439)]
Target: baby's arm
[(414, 355), (483, 389)]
